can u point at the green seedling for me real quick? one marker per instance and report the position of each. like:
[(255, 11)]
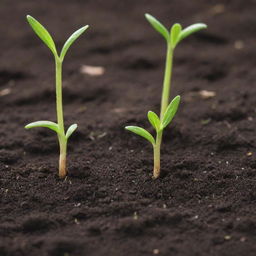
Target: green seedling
[(168, 109), (58, 127)]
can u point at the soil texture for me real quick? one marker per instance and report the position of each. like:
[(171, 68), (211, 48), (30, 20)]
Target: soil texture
[(205, 201)]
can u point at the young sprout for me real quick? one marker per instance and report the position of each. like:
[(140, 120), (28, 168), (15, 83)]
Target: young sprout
[(168, 110), (58, 127)]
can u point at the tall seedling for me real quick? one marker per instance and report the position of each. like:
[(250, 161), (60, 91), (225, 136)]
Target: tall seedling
[(58, 127), (168, 109)]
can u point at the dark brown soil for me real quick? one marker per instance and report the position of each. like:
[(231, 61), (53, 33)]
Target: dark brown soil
[(204, 204)]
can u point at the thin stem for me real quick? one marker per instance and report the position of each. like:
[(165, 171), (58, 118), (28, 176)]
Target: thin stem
[(60, 120), (59, 106), (167, 80), (63, 158), (164, 105), (157, 148)]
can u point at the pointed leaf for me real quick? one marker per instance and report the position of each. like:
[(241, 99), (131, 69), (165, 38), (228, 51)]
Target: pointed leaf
[(42, 33), (71, 40), (171, 111), (154, 120), (190, 30), (141, 132), (48, 124), (70, 130), (158, 26), (175, 32)]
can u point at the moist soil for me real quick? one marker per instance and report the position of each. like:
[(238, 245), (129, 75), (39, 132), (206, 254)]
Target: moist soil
[(205, 201)]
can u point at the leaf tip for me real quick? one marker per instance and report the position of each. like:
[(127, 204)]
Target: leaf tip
[(85, 28), (129, 128), (177, 98), (29, 18), (204, 26), (70, 130), (75, 126), (150, 113), (176, 24), (148, 16), (28, 126)]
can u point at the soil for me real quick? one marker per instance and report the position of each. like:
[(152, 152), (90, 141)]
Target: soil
[(205, 201)]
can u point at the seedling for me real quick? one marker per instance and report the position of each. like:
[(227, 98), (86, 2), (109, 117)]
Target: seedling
[(168, 110), (58, 127)]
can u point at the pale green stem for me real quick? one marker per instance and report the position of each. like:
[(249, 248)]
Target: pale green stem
[(164, 105), (167, 81), (156, 147), (60, 119)]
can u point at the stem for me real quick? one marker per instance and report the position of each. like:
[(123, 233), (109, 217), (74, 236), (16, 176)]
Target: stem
[(63, 158), (167, 80), (157, 147), (164, 105), (60, 119), (59, 107)]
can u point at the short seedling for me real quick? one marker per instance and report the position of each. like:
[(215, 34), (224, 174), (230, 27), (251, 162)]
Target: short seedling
[(58, 127), (168, 110)]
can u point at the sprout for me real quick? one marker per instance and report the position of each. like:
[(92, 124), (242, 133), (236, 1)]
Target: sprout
[(58, 127), (168, 110)]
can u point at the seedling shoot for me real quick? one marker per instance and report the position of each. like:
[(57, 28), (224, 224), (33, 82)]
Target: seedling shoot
[(58, 127), (168, 109)]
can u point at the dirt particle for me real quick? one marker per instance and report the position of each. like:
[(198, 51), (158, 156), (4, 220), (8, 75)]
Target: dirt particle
[(92, 70), (156, 251), (238, 45), (227, 237)]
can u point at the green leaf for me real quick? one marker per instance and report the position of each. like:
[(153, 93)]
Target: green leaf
[(171, 111), (42, 33), (159, 27), (48, 124), (71, 40), (190, 30), (70, 130), (154, 120), (141, 132), (175, 32)]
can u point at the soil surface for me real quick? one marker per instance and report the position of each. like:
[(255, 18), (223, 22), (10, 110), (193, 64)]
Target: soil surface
[(205, 202)]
